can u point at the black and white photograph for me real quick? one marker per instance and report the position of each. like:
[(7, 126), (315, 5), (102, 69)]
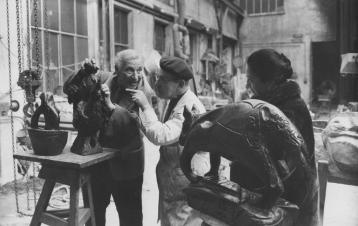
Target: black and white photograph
[(179, 112)]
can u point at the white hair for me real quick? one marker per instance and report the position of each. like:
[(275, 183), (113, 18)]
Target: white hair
[(126, 56)]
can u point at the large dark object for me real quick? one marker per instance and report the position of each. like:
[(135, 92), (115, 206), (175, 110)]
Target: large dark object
[(48, 141), (260, 138), (227, 201), (89, 112)]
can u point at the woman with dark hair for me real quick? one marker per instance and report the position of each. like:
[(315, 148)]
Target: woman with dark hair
[(268, 77), (268, 74)]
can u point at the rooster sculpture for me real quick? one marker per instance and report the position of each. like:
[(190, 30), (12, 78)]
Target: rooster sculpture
[(89, 112)]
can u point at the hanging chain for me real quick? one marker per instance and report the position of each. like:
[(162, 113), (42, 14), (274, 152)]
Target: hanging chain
[(37, 42), (20, 61), (18, 36), (47, 44), (28, 34), (21, 35), (11, 113)]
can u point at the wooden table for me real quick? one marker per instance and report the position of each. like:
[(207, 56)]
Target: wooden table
[(73, 170)]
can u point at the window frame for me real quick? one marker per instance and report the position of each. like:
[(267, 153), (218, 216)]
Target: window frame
[(43, 32), (261, 13), (165, 24), (112, 5)]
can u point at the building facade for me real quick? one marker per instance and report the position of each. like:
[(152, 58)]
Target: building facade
[(305, 31)]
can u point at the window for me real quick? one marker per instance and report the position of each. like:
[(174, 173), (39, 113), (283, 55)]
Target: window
[(159, 37), (120, 29), (63, 39), (262, 7)]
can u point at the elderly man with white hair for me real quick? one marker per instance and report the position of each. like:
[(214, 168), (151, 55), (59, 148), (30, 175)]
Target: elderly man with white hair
[(121, 177)]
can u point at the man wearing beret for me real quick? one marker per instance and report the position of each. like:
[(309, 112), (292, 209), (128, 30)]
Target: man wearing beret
[(172, 84)]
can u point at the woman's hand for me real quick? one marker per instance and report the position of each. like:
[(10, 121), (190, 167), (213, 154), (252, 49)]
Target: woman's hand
[(139, 97), (107, 94)]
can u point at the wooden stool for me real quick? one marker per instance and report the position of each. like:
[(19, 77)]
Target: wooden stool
[(75, 215), (73, 170)]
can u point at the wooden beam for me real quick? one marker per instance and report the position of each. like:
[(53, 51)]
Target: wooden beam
[(234, 7), (50, 219)]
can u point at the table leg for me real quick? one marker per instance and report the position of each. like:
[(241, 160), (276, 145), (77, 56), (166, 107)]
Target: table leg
[(42, 202), (74, 202), (88, 201)]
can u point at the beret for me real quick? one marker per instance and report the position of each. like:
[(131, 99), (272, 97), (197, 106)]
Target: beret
[(176, 67)]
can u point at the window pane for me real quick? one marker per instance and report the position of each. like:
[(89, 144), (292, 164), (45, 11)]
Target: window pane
[(272, 5), (81, 11), (120, 26), (250, 6), (257, 6), (67, 16), (52, 14), (52, 49), (100, 26), (210, 42), (52, 79), (52, 75), (82, 47), (36, 14), (243, 4), (280, 6), (34, 47), (159, 39), (68, 56), (124, 26), (265, 6)]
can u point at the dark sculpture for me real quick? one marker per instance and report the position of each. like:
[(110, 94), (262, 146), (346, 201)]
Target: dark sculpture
[(89, 112), (50, 112), (261, 138), (50, 140)]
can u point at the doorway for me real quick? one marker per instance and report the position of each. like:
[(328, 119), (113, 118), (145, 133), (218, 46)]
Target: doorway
[(325, 73)]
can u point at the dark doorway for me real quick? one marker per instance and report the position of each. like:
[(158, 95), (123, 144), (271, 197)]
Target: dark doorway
[(325, 63)]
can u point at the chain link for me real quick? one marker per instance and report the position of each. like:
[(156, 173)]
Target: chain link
[(11, 113)]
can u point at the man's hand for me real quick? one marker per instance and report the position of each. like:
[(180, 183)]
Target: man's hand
[(107, 94), (139, 97)]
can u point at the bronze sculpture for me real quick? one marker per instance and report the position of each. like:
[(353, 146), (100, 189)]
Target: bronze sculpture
[(259, 136)]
